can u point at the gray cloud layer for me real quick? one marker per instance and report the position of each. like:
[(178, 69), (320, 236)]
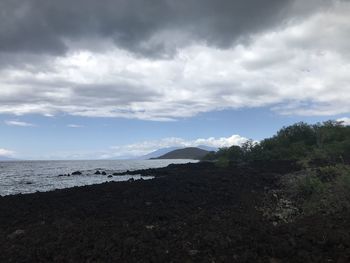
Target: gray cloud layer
[(143, 26), (166, 59)]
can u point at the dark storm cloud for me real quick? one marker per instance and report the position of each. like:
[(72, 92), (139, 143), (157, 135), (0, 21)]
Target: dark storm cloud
[(38, 26)]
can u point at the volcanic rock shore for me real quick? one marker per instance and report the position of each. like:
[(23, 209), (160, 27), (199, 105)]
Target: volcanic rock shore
[(188, 213)]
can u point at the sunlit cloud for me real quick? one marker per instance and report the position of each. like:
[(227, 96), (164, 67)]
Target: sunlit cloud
[(19, 123), (344, 121), (6, 153)]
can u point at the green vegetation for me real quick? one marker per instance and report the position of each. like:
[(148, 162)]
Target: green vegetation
[(325, 189), (328, 141), (310, 185), (322, 150)]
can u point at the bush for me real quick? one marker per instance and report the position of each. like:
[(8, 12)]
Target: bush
[(329, 141), (222, 162), (331, 173), (310, 185), (325, 189), (342, 191)]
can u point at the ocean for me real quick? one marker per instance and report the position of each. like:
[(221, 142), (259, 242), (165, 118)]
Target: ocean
[(22, 177)]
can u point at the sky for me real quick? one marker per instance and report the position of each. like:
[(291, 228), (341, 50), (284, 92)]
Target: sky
[(94, 79)]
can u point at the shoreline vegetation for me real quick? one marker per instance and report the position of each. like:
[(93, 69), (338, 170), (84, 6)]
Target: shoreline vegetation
[(284, 199)]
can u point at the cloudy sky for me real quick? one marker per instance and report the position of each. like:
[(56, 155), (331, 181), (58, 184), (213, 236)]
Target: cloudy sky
[(114, 78)]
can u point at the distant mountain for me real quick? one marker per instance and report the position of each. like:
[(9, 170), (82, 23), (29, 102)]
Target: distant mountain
[(208, 148), (162, 151), (158, 153), (185, 153)]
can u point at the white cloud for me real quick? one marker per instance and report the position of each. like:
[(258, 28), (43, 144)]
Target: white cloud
[(6, 153), (142, 148), (345, 121), (75, 126), (220, 142), (301, 68), (19, 123)]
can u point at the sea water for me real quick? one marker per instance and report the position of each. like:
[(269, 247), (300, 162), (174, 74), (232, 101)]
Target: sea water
[(31, 176)]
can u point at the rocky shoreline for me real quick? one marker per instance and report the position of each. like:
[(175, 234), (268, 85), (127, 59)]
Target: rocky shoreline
[(188, 213)]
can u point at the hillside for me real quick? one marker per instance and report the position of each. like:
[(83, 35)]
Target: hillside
[(163, 151), (157, 153), (186, 153)]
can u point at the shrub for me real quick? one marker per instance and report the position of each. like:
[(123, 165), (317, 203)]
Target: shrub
[(325, 189), (222, 162), (331, 173), (329, 141), (310, 185), (342, 191)]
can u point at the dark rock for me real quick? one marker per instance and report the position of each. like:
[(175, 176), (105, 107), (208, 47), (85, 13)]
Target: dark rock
[(160, 221), (292, 242), (17, 233), (274, 260), (104, 173), (61, 175), (130, 242), (109, 176), (97, 172), (193, 252), (210, 237), (77, 173)]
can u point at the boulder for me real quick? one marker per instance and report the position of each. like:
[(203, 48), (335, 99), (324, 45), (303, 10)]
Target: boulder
[(17, 233), (60, 175)]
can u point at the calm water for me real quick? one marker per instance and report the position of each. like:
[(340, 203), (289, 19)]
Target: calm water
[(31, 176)]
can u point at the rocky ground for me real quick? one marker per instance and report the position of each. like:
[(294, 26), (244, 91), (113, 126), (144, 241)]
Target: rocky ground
[(189, 213)]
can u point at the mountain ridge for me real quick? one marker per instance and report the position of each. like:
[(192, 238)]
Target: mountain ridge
[(162, 151), (194, 153)]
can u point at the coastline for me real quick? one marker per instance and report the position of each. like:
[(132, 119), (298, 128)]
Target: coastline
[(32, 176), (188, 213)]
